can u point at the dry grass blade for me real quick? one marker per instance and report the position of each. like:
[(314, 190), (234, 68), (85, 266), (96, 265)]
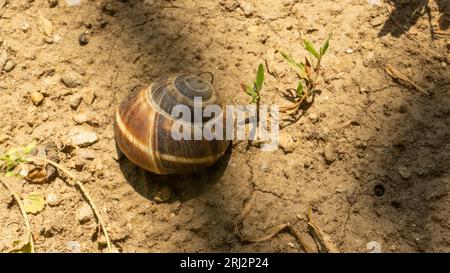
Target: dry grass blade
[(394, 73), (46, 25), (3, 58), (441, 32), (83, 191), (24, 214), (277, 229), (406, 31), (323, 241), (273, 231), (294, 106)]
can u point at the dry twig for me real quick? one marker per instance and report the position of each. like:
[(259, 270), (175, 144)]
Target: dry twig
[(273, 231), (407, 32), (24, 214), (83, 191), (323, 241), (394, 73)]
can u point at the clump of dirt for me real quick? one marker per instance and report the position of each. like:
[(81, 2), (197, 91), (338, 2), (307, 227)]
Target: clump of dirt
[(371, 153)]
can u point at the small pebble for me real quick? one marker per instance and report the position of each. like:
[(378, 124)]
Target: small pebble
[(349, 51), (73, 2), (351, 198), (75, 101), (374, 2), (378, 21), (83, 39), (86, 154), (101, 241), (313, 117), (82, 137), (374, 247), (108, 8), (49, 40), (253, 29), (36, 98), (52, 3), (444, 65), (247, 8), (71, 79), (73, 246), (328, 154), (4, 138), (286, 143), (85, 213), (88, 96), (83, 117), (404, 172), (25, 27), (163, 195), (9, 65), (44, 116), (52, 199), (78, 163)]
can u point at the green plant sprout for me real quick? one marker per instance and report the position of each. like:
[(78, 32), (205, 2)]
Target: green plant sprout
[(306, 73), (254, 90), (14, 157)]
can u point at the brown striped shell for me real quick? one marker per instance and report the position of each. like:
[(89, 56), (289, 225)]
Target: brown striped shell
[(143, 125)]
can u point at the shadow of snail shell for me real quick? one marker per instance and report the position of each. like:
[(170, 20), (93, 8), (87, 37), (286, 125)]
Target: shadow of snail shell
[(143, 125)]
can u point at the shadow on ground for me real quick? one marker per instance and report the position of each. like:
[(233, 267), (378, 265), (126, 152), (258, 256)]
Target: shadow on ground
[(407, 13), (185, 187)]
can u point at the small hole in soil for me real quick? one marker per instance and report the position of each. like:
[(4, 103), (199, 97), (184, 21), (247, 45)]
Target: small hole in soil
[(378, 190)]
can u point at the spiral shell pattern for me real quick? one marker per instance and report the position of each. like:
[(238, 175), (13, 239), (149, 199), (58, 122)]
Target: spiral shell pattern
[(143, 125)]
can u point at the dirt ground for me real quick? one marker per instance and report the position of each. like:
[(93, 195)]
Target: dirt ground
[(371, 156)]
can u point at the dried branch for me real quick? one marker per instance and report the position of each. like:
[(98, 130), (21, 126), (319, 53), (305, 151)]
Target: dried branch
[(83, 191), (24, 214)]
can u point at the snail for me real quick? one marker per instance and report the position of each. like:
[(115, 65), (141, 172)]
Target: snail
[(144, 121)]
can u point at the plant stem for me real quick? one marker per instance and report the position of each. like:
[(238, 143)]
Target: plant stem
[(83, 191), (257, 113), (24, 214)]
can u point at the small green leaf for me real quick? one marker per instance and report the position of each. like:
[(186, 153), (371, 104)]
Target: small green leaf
[(22, 246), (255, 99), (10, 174), (259, 78), (34, 203), (325, 46), (29, 148), (298, 67), (308, 46), (249, 90), (299, 89)]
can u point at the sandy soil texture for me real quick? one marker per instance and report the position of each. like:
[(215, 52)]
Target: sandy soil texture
[(370, 157)]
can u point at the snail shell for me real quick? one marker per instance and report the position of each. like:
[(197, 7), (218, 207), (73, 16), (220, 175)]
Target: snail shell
[(143, 126)]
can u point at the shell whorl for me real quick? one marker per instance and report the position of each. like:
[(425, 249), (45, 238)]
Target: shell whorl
[(167, 92), (143, 126)]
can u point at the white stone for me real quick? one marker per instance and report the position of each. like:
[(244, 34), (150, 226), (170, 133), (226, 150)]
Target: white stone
[(82, 137), (73, 2), (374, 247), (287, 143), (85, 213), (73, 246)]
